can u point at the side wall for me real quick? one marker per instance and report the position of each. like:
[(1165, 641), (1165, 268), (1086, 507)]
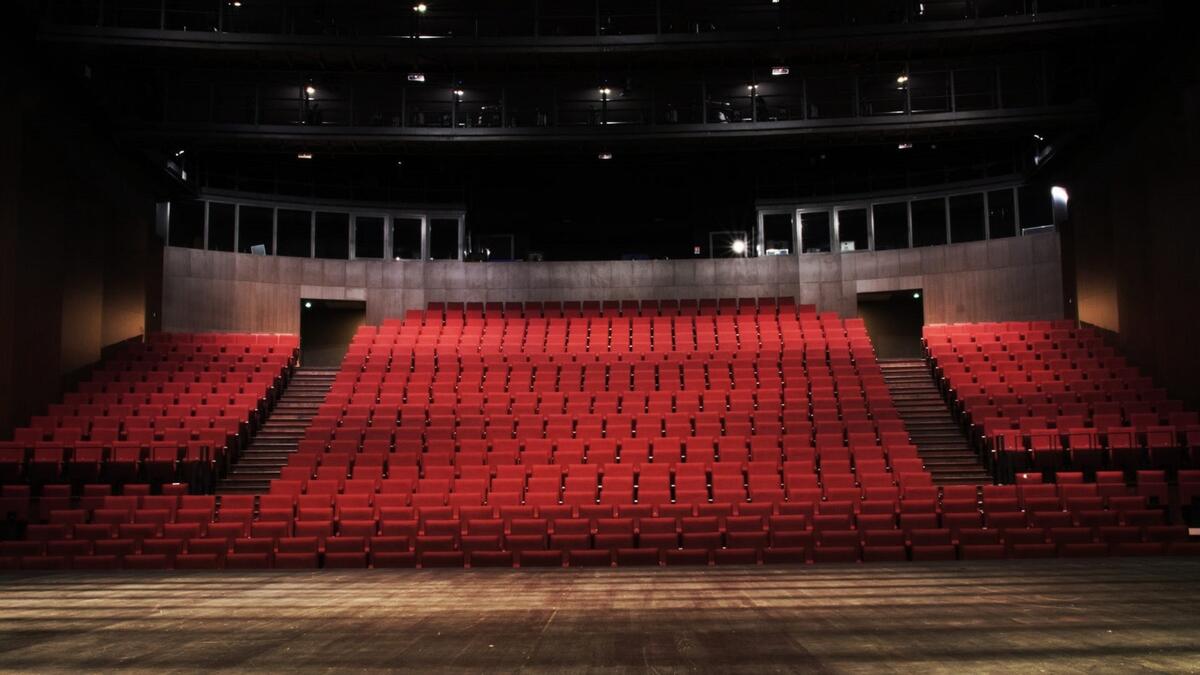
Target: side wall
[(75, 248), (1137, 243), (1003, 279)]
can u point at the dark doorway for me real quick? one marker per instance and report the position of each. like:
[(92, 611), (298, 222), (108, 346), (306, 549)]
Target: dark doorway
[(894, 320), (326, 328)]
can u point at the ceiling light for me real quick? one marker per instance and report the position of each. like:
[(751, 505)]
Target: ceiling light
[(780, 70), (304, 155), (904, 146), (458, 93), (420, 8), (310, 90), (307, 305), (180, 153), (902, 79), (752, 87), (236, 3), (605, 155), (605, 91), (738, 246), (917, 295), (1038, 137)]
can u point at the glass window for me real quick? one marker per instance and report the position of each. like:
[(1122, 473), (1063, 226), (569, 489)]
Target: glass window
[(220, 227), (829, 97), (295, 233), (1036, 208), (406, 238), (815, 232), (966, 218), (333, 235), (1002, 218), (975, 89), (852, 230), (929, 222), (891, 226), (368, 236), (929, 92), (255, 228), (187, 224), (443, 239), (777, 232), (882, 94)]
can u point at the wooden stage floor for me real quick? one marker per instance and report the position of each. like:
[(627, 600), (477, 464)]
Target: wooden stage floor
[(1092, 616)]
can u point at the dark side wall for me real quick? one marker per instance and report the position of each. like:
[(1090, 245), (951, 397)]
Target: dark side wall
[(1137, 237), (77, 254)]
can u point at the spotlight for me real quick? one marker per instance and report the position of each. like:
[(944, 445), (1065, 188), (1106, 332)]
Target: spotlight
[(605, 91), (904, 146), (236, 3), (420, 8), (1060, 194), (397, 258), (458, 93), (752, 87), (304, 155), (605, 155), (310, 90), (917, 295), (307, 305), (738, 246), (902, 79)]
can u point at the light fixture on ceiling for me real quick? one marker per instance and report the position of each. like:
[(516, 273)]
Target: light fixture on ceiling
[(902, 79), (420, 8), (304, 155), (780, 70), (904, 146), (310, 90), (605, 155), (605, 91)]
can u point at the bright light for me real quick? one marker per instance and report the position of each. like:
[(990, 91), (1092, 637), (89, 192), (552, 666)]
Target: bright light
[(304, 155), (780, 70), (605, 155), (605, 91), (774, 2), (458, 93), (420, 8), (310, 90), (1060, 194), (1038, 137), (236, 3), (752, 87), (416, 77), (397, 258), (399, 162), (180, 153), (904, 146), (917, 295), (902, 79), (307, 305), (738, 246)]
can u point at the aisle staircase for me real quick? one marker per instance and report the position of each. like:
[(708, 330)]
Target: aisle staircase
[(280, 434), (940, 441)]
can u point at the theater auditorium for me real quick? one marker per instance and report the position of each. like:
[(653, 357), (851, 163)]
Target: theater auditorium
[(599, 336)]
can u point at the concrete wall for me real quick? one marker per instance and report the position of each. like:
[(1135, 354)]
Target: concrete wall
[(1017, 278)]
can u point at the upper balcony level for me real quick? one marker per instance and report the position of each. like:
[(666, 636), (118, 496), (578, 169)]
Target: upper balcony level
[(458, 27)]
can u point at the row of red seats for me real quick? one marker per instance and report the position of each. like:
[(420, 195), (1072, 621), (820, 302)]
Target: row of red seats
[(765, 305), (1114, 419)]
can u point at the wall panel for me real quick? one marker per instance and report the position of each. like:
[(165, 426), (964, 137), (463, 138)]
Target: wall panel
[(1002, 279)]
